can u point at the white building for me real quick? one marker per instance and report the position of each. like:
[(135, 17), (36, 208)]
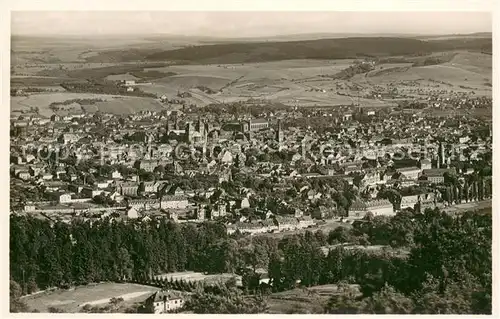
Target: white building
[(164, 301), (381, 207), (174, 202), (410, 172)]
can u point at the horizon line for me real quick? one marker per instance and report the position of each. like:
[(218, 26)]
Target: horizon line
[(243, 37)]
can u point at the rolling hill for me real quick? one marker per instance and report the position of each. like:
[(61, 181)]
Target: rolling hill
[(343, 48)]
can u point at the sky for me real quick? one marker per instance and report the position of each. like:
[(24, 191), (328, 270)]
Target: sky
[(245, 23)]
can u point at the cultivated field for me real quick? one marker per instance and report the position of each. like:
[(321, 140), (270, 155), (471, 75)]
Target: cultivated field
[(465, 72), (112, 103), (73, 299), (297, 82)]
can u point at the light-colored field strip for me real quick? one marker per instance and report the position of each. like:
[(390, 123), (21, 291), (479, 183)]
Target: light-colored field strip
[(128, 296), (61, 302)]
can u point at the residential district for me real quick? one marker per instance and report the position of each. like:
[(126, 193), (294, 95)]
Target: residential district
[(259, 169), (278, 171)]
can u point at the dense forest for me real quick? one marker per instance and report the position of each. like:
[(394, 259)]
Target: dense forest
[(434, 262), (343, 48)]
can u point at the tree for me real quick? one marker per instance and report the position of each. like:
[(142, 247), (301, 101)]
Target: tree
[(464, 297), (90, 179), (160, 170), (53, 309), (16, 304), (344, 302), (227, 301), (339, 235), (387, 301), (147, 176), (392, 195)]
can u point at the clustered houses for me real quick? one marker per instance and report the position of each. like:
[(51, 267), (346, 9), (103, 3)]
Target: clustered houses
[(189, 167)]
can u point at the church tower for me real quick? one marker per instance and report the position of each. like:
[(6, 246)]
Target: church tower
[(189, 132), (279, 133), (200, 126), (442, 156)]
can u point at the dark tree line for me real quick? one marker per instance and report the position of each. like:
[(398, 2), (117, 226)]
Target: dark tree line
[(44, 255), (446, 267)]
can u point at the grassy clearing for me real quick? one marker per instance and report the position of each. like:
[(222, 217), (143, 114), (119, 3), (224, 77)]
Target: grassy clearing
[(72, 300)]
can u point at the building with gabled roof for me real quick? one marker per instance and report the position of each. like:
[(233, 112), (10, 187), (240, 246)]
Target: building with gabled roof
[(164, 301), (381, 207)]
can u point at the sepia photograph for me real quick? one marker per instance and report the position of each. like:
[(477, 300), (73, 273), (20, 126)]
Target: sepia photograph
[(250, 162)]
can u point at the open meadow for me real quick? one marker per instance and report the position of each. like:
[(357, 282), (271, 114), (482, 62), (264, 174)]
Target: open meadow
[(72, 300)]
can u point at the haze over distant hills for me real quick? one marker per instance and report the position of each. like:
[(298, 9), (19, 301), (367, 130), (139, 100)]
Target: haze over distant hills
[(283, 37)]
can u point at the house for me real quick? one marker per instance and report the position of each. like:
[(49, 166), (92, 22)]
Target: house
[(69, 138), (59, 172), (65, 198), (164, 301), (286, 223), (24, 175), (218, 211), (409, 172), (102, 185), (145, 204), (244, 203), (387, 177), (255, 227), (371, 178), (149, 187), (90, 191), (464, 139), (128, 189), (409, 201), (148, 165), (227, 158), (176, 191), (427, 200), (381, 207), (116, 175), (257, 125), (306, 221), (436, 175), (425, 164), (132, 213), (347, 117), (323, 212), (174, 202)]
